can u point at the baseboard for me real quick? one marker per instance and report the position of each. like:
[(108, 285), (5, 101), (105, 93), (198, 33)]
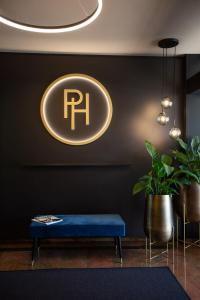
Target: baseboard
[(26, 244)]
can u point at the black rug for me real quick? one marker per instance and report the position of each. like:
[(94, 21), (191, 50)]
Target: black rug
[(91, 284)]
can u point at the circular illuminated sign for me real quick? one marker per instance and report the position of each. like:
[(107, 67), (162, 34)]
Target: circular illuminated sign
[(76, 109)]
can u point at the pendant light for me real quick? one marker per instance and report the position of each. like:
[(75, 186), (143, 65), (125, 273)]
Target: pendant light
[(162, 118), (174, 132), (166, 101)]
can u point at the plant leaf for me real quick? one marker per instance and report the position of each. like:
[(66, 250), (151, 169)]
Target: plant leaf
[(138, 187), (168, 169), (180, 156), (186, 172), (151, 150), (166, 159), (195, 144), (182, 143)]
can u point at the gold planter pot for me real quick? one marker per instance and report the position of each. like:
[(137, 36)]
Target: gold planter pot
[(190, 196), (158, 218)]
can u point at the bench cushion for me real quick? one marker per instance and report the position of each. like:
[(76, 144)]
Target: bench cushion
[(81, 226)]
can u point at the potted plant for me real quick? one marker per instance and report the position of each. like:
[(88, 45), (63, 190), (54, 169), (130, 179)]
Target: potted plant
[(188, 158), (159, 185)]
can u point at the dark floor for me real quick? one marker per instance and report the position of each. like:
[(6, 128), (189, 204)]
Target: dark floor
[(186, 270)]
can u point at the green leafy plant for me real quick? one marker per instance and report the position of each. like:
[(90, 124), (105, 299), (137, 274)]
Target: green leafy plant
[(162, 178), (188, 159)]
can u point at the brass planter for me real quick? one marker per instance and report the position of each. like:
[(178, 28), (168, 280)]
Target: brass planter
[(190, 196), (158, 218)]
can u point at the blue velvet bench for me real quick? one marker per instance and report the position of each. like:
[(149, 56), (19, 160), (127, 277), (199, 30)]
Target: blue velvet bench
[(103, 225)]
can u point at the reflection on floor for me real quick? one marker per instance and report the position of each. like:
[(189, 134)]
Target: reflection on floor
[(187, 270)]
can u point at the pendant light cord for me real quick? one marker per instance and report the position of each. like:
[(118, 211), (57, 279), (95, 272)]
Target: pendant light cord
[(164, 75), (174, 86), (166, 72), (163, 79)]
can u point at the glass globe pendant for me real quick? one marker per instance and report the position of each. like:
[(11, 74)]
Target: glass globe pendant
[(162, 118), (166, 102), (174, 132)]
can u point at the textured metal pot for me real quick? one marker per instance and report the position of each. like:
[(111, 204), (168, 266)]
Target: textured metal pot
[(190, 195), (158, 218)]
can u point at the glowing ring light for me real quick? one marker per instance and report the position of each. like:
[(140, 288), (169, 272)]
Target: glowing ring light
[(56, 29), (44, 103)]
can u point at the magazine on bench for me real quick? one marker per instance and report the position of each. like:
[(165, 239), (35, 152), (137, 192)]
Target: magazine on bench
[(48, 219)]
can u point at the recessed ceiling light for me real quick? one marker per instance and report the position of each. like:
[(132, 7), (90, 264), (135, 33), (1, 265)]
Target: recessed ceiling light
[(57, 29)]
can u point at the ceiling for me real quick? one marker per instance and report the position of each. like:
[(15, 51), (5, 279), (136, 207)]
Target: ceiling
[(125, 27)]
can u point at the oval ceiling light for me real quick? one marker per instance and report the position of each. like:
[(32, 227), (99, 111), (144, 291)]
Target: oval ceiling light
[(57, 29)]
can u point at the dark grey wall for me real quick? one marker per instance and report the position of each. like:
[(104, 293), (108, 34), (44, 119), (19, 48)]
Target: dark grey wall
[(35, 172), (193, 99), (192, 109)]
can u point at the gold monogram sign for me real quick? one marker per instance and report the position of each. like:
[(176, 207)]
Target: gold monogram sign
[(73, 104), (76, 109)]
